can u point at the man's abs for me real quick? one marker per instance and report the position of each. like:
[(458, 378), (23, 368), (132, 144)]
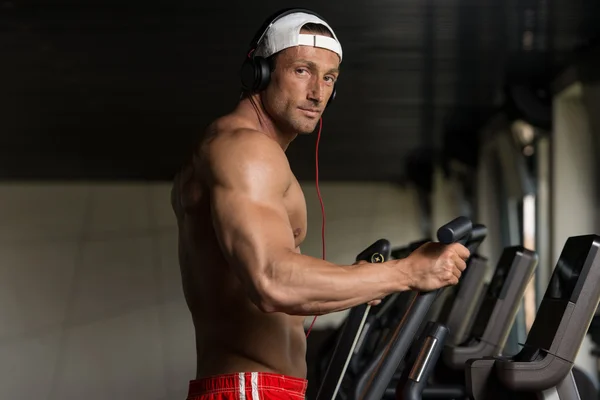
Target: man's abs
[(232, 334), (241, 338)]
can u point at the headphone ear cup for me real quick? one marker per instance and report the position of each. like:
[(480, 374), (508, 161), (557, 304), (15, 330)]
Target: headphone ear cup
[(248, 75), (263, 69)]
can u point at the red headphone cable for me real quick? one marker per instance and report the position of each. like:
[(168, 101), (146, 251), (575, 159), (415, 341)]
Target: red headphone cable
[(322, 207)]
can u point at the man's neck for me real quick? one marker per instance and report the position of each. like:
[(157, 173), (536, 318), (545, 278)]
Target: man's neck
[(252, 107)]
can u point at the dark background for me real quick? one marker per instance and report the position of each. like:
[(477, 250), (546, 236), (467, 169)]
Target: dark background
[(120, 90)]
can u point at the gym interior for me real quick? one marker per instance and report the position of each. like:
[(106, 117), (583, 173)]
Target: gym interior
[(483, 109)]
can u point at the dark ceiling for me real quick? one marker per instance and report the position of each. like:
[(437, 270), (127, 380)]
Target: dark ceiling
[(101, 90)]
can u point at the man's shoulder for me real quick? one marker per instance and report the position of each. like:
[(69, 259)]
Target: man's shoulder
[(232, 139), (236, 150), (234, 131)]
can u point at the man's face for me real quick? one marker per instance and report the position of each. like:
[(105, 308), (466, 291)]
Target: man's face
[(300, 87)]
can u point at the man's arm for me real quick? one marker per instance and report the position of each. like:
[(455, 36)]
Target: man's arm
[(249, 177)]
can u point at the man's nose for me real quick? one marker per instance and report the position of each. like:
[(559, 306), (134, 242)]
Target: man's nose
[(316, 91)]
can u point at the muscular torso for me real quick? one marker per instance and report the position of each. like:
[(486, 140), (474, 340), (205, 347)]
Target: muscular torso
[(232, 334)]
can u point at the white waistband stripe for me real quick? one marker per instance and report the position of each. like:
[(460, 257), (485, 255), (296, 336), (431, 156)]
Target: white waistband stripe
[(242, 385), (254, 381)]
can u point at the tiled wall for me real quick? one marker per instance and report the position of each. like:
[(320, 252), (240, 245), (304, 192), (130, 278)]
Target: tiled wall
[(90, 299)]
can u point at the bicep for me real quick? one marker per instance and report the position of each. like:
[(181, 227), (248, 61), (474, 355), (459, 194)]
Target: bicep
[(250, 231), (249, 177)]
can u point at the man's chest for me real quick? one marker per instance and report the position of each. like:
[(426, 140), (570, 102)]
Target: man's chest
[(295, 205)]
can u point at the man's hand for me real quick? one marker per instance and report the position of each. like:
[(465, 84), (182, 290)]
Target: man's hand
[(434, 265)]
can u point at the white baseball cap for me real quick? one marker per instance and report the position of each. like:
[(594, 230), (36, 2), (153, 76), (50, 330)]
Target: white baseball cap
[(285, 33)]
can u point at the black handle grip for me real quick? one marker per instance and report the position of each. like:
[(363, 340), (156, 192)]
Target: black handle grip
[(381, 372), (429, 353), (378, 252), (400, 252), (478, 235), (457, 230)]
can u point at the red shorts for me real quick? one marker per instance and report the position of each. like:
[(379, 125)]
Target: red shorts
[(248, 386)]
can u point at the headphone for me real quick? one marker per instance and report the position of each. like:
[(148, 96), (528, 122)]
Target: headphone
[(256, 70)]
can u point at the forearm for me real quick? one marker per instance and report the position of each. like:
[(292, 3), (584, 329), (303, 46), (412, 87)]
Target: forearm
[(303, 285)]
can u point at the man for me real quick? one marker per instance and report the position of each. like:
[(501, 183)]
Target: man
[(242, 218)]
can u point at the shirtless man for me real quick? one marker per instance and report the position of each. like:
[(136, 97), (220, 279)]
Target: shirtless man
[(242, 218)]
